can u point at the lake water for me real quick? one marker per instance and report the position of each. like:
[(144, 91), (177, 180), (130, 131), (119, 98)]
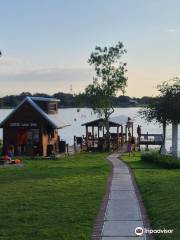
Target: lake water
[(85, 115)]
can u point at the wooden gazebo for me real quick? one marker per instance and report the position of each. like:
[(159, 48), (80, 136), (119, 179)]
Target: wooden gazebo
[(120, 127)]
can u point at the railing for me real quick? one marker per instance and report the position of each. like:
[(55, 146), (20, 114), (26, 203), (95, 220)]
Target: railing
[(151, 139), (96, 143)]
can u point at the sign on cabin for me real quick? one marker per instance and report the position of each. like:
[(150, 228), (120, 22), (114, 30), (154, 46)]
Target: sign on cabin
[(23, 124)]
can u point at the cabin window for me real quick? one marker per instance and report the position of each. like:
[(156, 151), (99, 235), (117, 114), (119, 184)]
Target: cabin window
[(33, 136), (53, 107)]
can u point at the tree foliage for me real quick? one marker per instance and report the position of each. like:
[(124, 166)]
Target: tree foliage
[(170, 90), (156, 110), (70, 100), (109, 78), (164, 109)]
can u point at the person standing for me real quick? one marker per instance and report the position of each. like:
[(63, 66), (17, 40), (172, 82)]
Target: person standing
[(139, 135), (138, 130), (133, 145), (129, 145)]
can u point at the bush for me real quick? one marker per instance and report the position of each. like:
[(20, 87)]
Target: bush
[(162, 160)]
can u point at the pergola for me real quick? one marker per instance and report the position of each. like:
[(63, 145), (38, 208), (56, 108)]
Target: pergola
[(119, 126)]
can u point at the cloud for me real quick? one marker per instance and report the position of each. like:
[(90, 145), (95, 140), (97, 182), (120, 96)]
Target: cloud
[(12, 65), (17, 75), (48, 80), (49, 75), (171, 30)]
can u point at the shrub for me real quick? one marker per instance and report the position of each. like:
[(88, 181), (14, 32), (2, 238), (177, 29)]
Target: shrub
[(162, 160)]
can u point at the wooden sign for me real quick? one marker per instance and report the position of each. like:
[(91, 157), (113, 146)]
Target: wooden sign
[(16, 124)]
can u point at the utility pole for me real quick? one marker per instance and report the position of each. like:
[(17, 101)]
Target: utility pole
[(71, 89)]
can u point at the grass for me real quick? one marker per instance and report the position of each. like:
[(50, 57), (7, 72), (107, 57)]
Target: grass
[(160, 190), (52, 199)]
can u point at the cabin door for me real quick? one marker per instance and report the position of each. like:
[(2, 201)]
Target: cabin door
[(28, 142), (32, 142)]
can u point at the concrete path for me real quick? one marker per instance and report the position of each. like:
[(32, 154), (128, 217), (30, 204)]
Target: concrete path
[(123, 213)]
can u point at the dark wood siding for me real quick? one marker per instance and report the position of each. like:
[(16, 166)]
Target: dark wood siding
[(26, 117), (26, 114)]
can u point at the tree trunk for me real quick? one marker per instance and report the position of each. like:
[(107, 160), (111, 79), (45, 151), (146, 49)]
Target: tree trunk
[(175, 139), (163, 147), (107, 133), (107, 114)]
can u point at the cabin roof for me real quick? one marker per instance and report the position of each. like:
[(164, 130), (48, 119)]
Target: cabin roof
[(120, 119), (113, 122), (45, 99), (54, 120)]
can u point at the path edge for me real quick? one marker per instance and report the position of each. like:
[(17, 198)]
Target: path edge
[(145, 218), (99, 220)]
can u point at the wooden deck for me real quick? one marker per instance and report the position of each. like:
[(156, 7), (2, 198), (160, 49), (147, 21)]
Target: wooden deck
[(150, 139)]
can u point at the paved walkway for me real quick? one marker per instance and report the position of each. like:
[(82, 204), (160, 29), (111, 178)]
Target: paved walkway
[(123, 213)]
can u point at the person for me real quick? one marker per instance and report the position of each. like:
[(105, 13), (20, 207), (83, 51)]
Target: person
[(133, 145), (129, 146), (138, 130), (139, 136), (10, 152), (6, 158)]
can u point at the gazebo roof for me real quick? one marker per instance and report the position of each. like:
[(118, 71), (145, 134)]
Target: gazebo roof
[(116, 121)]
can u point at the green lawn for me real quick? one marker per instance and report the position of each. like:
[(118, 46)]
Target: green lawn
[(160, 190), (52, 199)]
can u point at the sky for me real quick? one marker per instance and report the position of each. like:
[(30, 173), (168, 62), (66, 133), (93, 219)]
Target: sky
[(45, 44)]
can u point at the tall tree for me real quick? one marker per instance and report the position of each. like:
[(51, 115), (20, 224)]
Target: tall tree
[(157, 111), (109, 79), (165, 109), (171, 90)]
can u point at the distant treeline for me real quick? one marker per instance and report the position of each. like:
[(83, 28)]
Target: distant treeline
[(69, 100)]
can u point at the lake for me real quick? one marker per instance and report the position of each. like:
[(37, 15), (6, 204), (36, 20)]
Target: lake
[(75, 119)]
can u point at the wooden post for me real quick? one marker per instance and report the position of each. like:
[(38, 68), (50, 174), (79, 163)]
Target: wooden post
[(75, 143), (98, 137), (147, 143), (87, 137), (86, 131), (122, 136), (67, 149), (117, 137), (132, 129), (126, 133), (93, 135)]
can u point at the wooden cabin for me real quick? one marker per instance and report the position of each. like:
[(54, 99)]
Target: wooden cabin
[(120, 127), (32, 127)]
